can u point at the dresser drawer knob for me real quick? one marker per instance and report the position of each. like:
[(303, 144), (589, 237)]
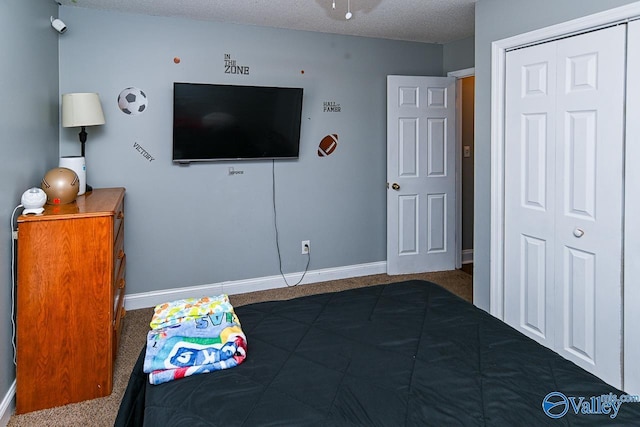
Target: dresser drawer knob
[(121, 283), (121, 254)]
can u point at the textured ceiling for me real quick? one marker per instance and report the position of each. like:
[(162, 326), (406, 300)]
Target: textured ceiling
[(430, 21)]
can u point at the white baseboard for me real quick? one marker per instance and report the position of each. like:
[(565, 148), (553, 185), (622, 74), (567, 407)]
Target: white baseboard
[(8, 405), (151, 299), (467, 256)]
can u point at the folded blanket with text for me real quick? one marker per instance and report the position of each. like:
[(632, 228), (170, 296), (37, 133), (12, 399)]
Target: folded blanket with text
[(193, 336)]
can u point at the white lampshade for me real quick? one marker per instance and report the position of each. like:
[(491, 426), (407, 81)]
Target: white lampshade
[(81, 109)]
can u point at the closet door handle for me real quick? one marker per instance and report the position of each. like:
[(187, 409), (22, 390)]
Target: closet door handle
[(578, 232)]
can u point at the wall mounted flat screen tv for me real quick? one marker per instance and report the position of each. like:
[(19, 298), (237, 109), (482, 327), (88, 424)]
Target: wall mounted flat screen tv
[(227, 122)]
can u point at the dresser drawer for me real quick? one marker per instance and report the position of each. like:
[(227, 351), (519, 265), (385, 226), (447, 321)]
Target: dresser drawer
[(119, 285), (118, 219), (118, 251), (117, 326), (119, 281)]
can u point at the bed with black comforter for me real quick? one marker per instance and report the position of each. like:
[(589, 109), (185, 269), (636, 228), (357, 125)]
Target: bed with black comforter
[(401, 354)]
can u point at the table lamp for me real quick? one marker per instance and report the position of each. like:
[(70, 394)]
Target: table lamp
[(82, 110)]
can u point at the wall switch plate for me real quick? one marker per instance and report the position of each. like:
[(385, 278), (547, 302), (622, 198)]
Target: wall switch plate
[(466, 151), (306, 247)]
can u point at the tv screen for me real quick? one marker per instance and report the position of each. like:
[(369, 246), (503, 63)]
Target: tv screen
[(227, 122)]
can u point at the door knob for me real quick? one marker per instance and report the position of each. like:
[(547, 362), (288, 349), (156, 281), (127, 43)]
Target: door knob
[(578, 232), (395, 186)]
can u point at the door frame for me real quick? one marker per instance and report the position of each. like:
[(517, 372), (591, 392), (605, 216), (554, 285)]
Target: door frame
[(459, 75), (499, 49)]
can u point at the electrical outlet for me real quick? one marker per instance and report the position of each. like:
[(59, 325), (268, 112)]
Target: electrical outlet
[(14, 234), (306, 247)]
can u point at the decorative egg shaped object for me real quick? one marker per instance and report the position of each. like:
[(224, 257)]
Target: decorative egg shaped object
[(61, 186)]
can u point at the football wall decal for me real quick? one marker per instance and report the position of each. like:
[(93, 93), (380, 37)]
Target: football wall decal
[(328, 145), (132, 101)]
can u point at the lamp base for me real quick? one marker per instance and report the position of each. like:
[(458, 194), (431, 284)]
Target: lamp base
[(76, 164)]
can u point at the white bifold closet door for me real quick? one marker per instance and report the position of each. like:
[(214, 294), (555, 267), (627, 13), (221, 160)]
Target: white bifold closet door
[(564, 163)]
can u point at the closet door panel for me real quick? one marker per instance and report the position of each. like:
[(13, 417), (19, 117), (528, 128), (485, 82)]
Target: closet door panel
[(579, 319), (589, 189), (530, 196)]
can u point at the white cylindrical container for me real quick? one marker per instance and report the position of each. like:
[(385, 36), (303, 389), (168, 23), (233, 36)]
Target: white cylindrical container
[(76, 164)]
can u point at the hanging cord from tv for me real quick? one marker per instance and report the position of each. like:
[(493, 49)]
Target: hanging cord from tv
[(275, 223), (14, 284)]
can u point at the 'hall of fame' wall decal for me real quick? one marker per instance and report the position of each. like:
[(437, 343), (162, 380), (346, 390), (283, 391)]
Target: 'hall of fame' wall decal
[(328, 145), (331, 107), (231, 66)]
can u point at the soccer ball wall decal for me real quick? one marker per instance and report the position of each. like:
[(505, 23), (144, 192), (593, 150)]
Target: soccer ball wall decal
[(132, 101)]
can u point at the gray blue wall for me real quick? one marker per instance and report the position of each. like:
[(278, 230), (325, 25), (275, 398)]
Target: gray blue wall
[(496, 20), (198, 225), (28, 129), (458, 55)]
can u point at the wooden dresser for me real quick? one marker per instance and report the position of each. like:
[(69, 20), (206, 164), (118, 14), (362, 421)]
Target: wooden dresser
[(70, 300)]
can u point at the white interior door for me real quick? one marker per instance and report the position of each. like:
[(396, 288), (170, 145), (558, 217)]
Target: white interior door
[(421, 152), (564, 196)]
